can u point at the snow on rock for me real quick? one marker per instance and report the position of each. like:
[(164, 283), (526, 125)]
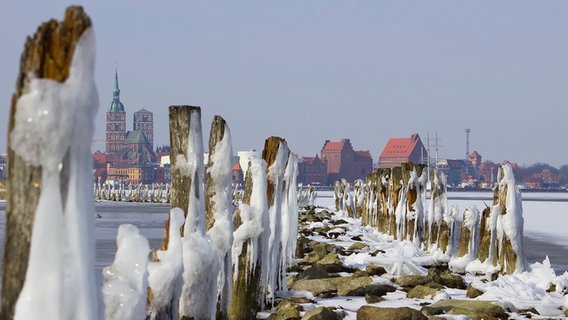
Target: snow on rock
[(125, 281), (525, 290), (53, 120)]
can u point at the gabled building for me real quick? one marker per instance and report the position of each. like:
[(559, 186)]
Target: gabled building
[(136, 149), (400, 150), (311, 170), (475, 159), (237, 174), (362, 164), (345, 163)]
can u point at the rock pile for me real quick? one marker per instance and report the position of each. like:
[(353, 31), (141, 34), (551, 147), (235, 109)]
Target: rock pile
[(324, 286)]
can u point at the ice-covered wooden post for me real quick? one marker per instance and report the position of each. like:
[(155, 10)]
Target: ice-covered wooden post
[(275, 154), (198, 298), (48, 56), (383, 199), (250, 245), (414, 216), (437, 207), (219, 208), (395, 187), (488, 250), (358, 197), (369, 212), (469, 240), (179, 123), (509, 211)]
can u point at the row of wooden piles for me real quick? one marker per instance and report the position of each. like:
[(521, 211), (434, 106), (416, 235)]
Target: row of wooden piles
[(253, 284), (394, 201)]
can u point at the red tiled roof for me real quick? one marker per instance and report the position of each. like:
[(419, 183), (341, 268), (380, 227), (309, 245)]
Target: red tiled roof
[(335, 145), (365, 153), (474, 154), (400, 147), (236, 167), (308, 160)]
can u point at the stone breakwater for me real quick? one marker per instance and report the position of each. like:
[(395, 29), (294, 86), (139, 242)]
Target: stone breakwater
[(348, 271)]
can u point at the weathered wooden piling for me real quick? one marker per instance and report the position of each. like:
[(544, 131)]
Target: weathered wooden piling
[(218, 206), (510, 214), (179, 124), (47, 55), (488, 249), (247, 271), (275, 154)]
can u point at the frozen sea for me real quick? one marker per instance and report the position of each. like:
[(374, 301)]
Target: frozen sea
[(545, 215)]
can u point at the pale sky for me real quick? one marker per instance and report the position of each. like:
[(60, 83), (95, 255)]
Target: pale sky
[(314, 70)]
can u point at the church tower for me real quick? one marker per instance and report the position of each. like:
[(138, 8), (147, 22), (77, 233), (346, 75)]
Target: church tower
[(144, 120), (115, 121)]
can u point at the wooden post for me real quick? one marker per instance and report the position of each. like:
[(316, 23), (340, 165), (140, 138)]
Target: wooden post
[(488, 250), (395, 187), (508, 201), (180, 119), (275, 154), (46, 55), (220, 202), (383, 196), (245, 298)]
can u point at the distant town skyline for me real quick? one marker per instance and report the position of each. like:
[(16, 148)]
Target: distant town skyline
[(315, 71)]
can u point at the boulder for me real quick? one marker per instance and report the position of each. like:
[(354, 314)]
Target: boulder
[(446, 279), (379, 289), (332, 264), (318, 287), (421, 292), (318, 251), (473, 292), (313, 273), (475, 309), (360, 273), (403, 313), (452, 281), (370, 298), (286, 310), (321, 313), (352, 286), (411, 281), (342, 286), (375, 270), (357, 246)]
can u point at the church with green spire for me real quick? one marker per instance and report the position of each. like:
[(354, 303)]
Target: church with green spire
[(130, 154), (115, 121)]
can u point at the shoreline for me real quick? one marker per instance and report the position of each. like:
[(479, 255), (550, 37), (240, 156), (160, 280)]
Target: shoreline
[(536, 250)]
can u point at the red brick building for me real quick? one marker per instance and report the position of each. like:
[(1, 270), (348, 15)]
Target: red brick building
[(343, 162), (475, 159), (312, 170), (400, 150), (237, 174)]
